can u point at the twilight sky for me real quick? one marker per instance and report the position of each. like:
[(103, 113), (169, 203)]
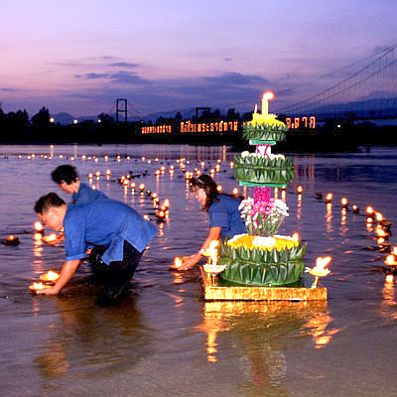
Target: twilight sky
[(78, 56)]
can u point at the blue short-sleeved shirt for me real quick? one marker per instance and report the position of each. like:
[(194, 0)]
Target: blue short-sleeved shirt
[(87, 195), (106, 223), (225, 214)]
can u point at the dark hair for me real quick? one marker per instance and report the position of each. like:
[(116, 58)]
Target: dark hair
[(209, 186), (65, 173), (44, 203)]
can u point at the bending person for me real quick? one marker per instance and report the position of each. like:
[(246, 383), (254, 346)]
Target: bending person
[(225, 218), (118, 230), (67, 178)]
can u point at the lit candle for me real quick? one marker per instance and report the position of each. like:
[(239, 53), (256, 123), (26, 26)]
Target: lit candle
[(265, 102)]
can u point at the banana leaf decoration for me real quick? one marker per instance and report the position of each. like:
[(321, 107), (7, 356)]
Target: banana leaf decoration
[(265, 132), (260, 169), (262, 267)]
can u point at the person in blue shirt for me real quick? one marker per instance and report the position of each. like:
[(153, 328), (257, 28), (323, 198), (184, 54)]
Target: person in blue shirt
[(225, 218), (120, 231), (67, 178)]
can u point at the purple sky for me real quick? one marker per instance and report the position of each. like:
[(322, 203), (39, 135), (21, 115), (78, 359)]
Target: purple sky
[(79, 56)]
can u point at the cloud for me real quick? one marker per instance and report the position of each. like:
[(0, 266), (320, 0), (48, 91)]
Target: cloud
[(234, 78), (124, 65), (121, 77), (93, 76), (7, 89)]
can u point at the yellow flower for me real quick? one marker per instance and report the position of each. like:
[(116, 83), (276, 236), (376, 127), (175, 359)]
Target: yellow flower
[(268, 120), (263, 243)]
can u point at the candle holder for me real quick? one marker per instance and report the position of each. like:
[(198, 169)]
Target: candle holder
[(319, 270), (11, 240), (37, 287)]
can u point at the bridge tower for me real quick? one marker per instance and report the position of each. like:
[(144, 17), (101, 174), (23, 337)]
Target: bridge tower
[(121, 110)]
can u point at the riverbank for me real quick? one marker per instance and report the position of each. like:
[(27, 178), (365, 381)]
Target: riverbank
[(334, 137)]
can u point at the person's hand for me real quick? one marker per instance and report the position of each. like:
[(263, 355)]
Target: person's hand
[(48, 291), (190, 261)]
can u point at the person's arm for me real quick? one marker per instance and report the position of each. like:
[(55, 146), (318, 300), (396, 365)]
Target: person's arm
[(68, 270), (214, 234)]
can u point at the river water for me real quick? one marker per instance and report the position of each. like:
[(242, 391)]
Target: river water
[(165, 340)]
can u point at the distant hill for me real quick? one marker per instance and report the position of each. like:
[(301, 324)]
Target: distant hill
[(63, 118)]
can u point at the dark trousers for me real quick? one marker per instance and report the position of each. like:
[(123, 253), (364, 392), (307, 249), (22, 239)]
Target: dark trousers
[(116, 274)]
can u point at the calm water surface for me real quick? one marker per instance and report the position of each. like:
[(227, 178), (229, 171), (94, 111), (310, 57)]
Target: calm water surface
[(165, 340)]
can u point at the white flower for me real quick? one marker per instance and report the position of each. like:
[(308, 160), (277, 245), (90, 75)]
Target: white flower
[(245, 153), (263, 241)]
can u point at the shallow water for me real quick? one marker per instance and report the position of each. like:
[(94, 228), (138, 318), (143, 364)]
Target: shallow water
[(165, 340)]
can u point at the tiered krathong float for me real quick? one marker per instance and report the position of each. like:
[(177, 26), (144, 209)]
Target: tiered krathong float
[(262, 258)]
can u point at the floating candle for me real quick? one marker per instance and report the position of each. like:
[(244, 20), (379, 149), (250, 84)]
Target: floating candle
[(50, 276), (344, 202), (328, 197), (50, 239), (38, 227), (391, 261), (11, 240), (37, 287)]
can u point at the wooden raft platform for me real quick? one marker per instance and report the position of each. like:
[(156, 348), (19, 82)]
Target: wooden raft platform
[(215, 291)]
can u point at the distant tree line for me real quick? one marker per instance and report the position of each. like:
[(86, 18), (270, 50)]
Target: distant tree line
[(17, 127)]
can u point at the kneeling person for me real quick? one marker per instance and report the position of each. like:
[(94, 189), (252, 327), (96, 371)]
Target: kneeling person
[(120, 231)]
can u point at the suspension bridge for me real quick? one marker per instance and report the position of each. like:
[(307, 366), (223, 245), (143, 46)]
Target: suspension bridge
[(367, 93)]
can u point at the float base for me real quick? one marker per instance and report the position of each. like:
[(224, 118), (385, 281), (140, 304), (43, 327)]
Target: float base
[(214, 290)]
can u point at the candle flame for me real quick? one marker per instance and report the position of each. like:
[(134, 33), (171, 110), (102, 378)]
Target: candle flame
[(178, 262), (49, 276), (390, 261), (379, 216), (38, 227), (344, 201), (267, 96), (389, 278)]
